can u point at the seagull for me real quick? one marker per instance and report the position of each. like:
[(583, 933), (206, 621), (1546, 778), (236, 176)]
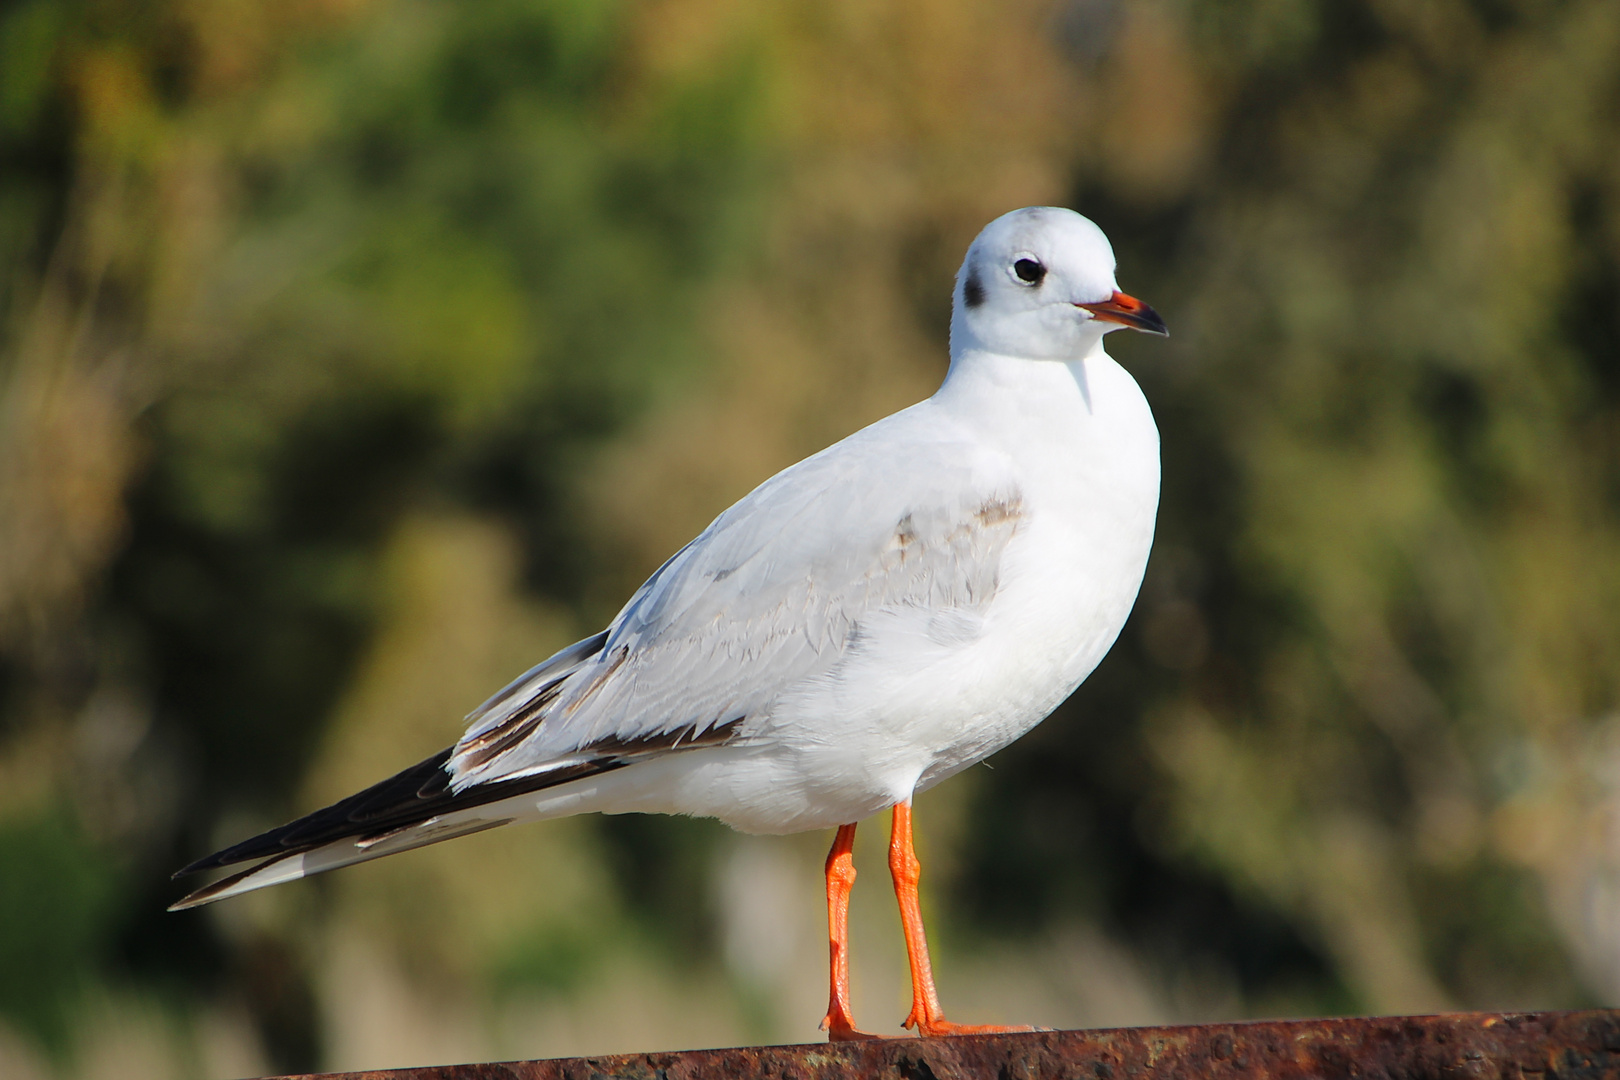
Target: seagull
[(861, 626)]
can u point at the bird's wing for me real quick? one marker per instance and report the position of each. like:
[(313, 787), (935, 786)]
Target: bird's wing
[(776, 590), (771, 593)]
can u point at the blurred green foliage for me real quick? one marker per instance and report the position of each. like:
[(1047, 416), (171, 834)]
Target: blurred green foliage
[(314, 316), (57, 899), (450, 251), (1385, 578)]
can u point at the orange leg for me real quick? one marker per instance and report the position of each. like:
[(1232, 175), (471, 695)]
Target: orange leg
[(839, 1024), (926, 1014)]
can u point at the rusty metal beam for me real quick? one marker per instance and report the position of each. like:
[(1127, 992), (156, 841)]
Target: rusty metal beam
[(1458, 1046)]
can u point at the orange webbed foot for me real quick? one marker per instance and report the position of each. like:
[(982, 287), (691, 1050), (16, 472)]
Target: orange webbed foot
[(938, 1028), (844, 1031)]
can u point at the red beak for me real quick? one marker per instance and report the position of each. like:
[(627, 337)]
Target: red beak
[(1128, 311)]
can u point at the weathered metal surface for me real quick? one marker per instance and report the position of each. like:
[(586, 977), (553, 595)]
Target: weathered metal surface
[(1458, 1046)]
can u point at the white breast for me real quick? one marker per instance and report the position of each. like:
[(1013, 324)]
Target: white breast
[(931, 693), (1088, 452)]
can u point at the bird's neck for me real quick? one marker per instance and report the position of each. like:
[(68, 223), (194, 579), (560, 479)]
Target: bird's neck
[(1079, 431), (1001, 389)]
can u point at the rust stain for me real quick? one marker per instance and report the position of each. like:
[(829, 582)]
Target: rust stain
[(1456, 1046)]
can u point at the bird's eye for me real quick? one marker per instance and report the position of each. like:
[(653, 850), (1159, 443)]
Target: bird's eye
[(1029, 271)]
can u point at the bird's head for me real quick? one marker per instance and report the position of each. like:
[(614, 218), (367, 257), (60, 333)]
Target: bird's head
[(1039, 283)]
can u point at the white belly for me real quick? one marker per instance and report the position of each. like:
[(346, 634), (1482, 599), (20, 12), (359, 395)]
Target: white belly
[(924, 696), (920, 702)]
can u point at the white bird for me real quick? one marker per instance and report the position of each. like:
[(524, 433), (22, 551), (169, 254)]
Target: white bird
[(856, 629)]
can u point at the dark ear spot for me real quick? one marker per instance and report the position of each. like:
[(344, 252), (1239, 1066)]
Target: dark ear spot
[(973, 289)]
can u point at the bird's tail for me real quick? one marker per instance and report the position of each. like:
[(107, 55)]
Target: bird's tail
[(339, 853), (411, 809)]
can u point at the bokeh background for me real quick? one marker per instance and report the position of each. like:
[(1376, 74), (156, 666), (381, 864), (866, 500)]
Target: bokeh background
[(354, 354)]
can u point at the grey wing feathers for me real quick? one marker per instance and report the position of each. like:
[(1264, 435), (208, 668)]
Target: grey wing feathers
[(512, 713), (772, 592)]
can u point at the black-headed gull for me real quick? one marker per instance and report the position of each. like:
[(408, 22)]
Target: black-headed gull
[(856, 629)]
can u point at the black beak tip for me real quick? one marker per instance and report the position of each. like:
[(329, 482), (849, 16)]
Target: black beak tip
[(1151, 323)]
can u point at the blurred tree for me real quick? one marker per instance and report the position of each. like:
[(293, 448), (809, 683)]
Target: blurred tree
[(355, 352), (299, 271), (1368, 696)]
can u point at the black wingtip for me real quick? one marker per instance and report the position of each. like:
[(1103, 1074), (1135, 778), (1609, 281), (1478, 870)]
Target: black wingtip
[(406, 798), (411, 793)]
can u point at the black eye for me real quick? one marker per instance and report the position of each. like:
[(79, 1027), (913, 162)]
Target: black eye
[(1029, 271)]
